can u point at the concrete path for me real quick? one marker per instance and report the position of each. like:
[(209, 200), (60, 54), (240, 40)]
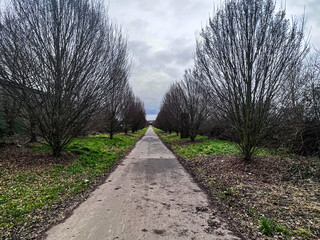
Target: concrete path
[(149, 196)]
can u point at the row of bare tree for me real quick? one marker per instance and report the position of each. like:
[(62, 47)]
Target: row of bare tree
[(187, 96), (65, 64), (253, 81)]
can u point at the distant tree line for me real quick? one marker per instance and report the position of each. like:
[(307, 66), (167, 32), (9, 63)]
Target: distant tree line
[(253, 82), (64, 70)]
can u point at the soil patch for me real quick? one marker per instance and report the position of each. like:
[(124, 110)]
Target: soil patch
[(280, 189), (23, 159)]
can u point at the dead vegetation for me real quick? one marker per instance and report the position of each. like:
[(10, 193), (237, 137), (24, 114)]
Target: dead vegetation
[(265, 188)]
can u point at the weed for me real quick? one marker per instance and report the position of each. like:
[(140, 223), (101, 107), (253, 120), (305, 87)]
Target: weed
[(229, 191), (267, 226), (212, 182), (253, 213), (304, 232), (222, 197), (283, 230)]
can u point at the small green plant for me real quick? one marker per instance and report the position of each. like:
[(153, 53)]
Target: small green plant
[(283, 230), (229, 191), (304, 232), (253, 213), (212, 182), (267, 226), (222, 197)]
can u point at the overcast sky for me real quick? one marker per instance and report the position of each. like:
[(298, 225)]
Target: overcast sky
[(162, 38), (162, 33)]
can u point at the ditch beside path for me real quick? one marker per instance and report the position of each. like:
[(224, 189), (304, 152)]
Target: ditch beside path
[(149, 196)]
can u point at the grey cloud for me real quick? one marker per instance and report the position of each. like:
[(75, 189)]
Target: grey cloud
[(148, 5), (138, 26), (178, 54), (189, 6)]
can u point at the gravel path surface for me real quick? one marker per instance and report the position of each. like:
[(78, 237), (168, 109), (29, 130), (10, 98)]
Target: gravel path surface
[(149, 196)]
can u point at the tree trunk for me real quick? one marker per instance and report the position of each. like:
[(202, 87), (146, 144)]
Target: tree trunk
[(247, 147), (247, 155), (56, 150), (33, 137), (11, 127), (184, 125)]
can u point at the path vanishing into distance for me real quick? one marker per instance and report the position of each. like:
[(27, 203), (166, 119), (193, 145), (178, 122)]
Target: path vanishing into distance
[(149, 196)]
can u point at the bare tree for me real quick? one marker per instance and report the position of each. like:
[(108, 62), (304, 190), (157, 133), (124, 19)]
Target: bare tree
[(137, 115), (194, 101), (115, 107), (171, 103), (306, 138), (10, 110), (311, 91), (245, 54), (125, 114), (54, 61), (187, 97), (162, 122), (118, 88)]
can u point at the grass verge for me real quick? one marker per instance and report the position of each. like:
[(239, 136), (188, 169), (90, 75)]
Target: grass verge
[(35, 186), (272, 197)]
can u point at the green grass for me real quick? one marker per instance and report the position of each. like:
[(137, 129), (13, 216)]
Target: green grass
[(22, 193), (269, 227), (173, 137), (207, 147), (204, 146)]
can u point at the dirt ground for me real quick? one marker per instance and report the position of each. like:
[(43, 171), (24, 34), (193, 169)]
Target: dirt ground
[(284, 189)]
